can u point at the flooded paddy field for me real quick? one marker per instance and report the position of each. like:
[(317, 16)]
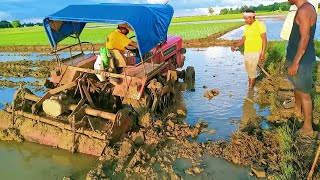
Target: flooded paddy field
[(273, 24), (216, 68)]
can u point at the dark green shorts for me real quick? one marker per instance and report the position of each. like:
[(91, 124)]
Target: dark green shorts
[(302, 81)]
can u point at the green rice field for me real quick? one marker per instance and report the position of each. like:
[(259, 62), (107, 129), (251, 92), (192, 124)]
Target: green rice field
[(37, 36), (220, 17)]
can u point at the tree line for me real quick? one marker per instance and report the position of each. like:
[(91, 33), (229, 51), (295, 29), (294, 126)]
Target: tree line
[(284, 6), (16, 24)]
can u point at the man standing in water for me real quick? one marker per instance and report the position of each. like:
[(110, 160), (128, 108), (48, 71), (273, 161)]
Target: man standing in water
[(255, 44), (299, 60)]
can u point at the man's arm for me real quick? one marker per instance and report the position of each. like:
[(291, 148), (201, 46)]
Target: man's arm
[(239, 43), (134, 44), (264, 46), (304, 24)]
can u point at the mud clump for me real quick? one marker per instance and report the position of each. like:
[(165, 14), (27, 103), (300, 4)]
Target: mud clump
[(158, 143), (211, 93), (96, 174), (244, 149), (194, 170), (11, 134), (11, 84), (273, 93), (24, 68)]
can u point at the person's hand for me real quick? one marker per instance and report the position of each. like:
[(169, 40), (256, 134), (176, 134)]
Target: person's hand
[(233, 48), (262, 57), (293, 69)]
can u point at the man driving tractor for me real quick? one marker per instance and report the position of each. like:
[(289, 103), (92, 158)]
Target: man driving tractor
[(118, 39)]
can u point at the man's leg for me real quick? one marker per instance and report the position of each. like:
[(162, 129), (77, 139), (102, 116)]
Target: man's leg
[(306, 104), (298, 106), (251, 63), (251, 83)]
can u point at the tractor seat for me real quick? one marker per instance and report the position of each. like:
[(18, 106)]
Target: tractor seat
[(120, 60)]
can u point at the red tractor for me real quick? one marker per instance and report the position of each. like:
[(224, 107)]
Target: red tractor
[(81, 91)]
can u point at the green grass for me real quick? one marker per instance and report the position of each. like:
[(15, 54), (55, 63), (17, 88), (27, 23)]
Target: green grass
[(219, 17), (317, 101), (317, 46), (286, 142), (37, 36), (276, 52)]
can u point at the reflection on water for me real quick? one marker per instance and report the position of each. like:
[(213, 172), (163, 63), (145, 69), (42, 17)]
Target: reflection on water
[(214, 168), (249, 113), (217, 68), (32, 161), (274, 26)]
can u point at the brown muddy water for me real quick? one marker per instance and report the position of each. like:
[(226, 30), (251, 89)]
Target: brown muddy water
[(216, 68)]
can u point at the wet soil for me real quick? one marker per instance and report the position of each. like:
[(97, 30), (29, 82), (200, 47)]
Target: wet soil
[(24, 68), (151, 152)]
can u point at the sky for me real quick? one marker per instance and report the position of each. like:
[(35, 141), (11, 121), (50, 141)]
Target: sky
[(35, 10)]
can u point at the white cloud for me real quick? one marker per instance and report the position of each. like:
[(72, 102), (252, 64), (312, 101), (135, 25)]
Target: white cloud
[(191, 12), (157, 1), (4, 15), (31, 20)]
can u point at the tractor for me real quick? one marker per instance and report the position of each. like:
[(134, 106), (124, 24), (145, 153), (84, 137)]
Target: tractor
[(81, 92)]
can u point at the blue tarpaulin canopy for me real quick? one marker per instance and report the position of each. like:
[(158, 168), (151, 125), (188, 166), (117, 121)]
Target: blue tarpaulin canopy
[(149, 21)]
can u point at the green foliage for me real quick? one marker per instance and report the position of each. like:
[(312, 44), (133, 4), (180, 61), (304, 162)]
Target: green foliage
[(36, 35), (317, 46), (284, 6), (16, 23), (276, 52), (286, 142), (210, 10), (317, 101), (5, 24)]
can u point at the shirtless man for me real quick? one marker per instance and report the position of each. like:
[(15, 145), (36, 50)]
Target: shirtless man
[(300, 59)]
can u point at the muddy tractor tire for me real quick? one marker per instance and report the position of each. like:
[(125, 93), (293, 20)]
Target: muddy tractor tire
[(189, 76)]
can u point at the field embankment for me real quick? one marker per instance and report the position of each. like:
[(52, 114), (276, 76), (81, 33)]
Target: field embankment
[(34, 38)]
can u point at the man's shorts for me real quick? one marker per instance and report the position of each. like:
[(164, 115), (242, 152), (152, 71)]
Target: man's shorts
[(302, 81), (251, 61)]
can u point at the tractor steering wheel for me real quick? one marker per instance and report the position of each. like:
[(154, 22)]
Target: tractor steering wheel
[(131, 48)]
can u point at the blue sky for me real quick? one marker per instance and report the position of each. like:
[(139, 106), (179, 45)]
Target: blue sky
[(35, 10)]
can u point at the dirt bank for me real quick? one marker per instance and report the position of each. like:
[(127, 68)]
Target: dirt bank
[(212, 40), (196, 43)]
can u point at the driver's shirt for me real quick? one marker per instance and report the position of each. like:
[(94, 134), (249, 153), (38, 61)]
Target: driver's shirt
[(117, 40)]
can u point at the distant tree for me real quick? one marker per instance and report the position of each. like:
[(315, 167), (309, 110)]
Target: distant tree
[(224, 11), (5, 24), (210, 11), (28, 24), (284, 6), (16, 23)]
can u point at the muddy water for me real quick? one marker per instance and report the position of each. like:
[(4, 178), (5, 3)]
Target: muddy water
[(214, 168), (30, 161), (216, 68), (274, 26)]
